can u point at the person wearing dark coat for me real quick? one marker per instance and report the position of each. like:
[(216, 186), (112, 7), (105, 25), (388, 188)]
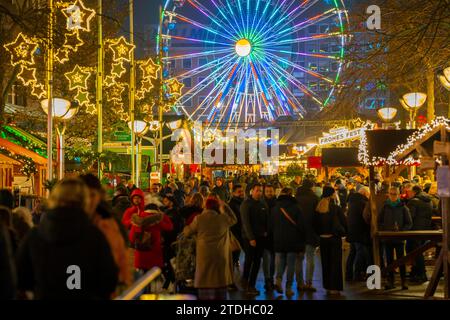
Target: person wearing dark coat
[(221, 190), (235, 202), (307, 201), (254, 213), (269, 253), (394, 216), (421, 208), (8, 279), (66, 256), (342, 193), (6, 198), (358, 233), (288, 238), (330, 224)]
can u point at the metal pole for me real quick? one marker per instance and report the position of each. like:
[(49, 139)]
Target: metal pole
[(50, 92), (160, 104), (132, 92), (99, 96)]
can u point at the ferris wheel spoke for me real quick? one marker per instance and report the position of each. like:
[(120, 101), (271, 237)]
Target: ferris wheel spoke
[(201, 26), (197, 54), (239, 27), (255, 14), (206, 67), (261, 18), (296, 66), (303, 39), (295, 82), (315, 55), (229, 24), (269, 21), (305, 24), (208, 79), (241, 16), (264, 91), (199, 40), (211, 16), (288, 18)]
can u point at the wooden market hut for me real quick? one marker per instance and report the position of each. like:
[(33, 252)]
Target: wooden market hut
[(6, 166), (394, 150)]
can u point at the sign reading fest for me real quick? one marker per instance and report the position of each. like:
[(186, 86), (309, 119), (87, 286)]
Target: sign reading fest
[(342, 134)]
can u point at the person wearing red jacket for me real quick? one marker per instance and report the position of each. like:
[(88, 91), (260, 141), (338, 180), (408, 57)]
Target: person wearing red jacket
[(145, 237), (137, 206)]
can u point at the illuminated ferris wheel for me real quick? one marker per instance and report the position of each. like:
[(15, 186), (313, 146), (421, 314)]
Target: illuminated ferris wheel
[(228, 62)]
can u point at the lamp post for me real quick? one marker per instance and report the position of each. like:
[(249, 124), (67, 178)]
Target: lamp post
[(445, 80), (140, 129), (387, 114), (61, 111), (412, 103)]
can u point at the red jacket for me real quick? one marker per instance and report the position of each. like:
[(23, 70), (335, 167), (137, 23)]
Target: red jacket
[(126, 219), (160, 222)]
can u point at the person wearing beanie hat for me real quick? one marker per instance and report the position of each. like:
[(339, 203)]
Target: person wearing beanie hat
[(331, 225)]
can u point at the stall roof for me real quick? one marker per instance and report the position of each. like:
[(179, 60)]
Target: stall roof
[(7, 160), (21, 150)]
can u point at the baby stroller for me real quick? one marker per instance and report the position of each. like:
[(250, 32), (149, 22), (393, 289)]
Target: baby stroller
[(184, 264)]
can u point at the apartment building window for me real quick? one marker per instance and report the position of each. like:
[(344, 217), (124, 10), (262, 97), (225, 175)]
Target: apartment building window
[(313, 66), (187, 82), (312, 29), (202, 61), (187, 63)]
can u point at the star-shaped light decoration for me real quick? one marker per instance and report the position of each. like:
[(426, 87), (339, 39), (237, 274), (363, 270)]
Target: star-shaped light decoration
[(149, 69), (121, 49), (22, 50), (78, 16), (115, 93), (109, 81), (27, 75), (38, 90), (140, 94), (147, 108), (146, 85), (118, 108), (91, 108), (82, 97), (148, 118), (175, 87), (358, 123), (117, 69), (124, 116), (77, 78), (72, 41), (62, 55)]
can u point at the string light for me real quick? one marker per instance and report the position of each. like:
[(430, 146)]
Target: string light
[(121, 49), (62, 55), (109, 81), (118, 69), (27, 75), (115, 93), (22, 50), (73, 37), (78, 16), (77, 78)]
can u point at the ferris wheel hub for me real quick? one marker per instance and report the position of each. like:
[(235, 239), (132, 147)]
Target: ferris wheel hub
[(243, 47)]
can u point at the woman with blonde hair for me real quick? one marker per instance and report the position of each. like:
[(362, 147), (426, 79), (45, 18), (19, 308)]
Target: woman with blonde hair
[(67, 243), (330, 224)]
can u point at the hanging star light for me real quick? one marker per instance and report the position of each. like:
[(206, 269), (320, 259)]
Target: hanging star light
[(22, 50), (115, 93), (27, 75), (38, 90), (72, 41), (150, 69), (147, 108), (140, 94), (78, 16), (109, 81), (62, 55), (91, 108), (121, 49), (82, 97), (146, 85), (118, 108), (77, 78), (117, 69), (124, 116), (175, 87), (148, 118)]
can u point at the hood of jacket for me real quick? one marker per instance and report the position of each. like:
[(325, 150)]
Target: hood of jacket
[(284, 200), (423, 196), (138, 193), (64, 224)]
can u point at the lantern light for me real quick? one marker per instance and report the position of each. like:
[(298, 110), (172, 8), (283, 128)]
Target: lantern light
[(413, 100), (60, 107), (387, 113), (140, 127)]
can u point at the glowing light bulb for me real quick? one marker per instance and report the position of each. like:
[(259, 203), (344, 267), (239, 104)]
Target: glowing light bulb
[(243, 48)]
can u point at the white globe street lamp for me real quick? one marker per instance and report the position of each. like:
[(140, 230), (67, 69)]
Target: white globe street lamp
[(61, 111), (412, 103), (387, 114), (140, 129)]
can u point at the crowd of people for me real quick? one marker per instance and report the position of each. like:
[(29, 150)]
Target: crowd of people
[(258, 220)]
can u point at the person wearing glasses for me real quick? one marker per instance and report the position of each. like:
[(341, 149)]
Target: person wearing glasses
[(394, 216)]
